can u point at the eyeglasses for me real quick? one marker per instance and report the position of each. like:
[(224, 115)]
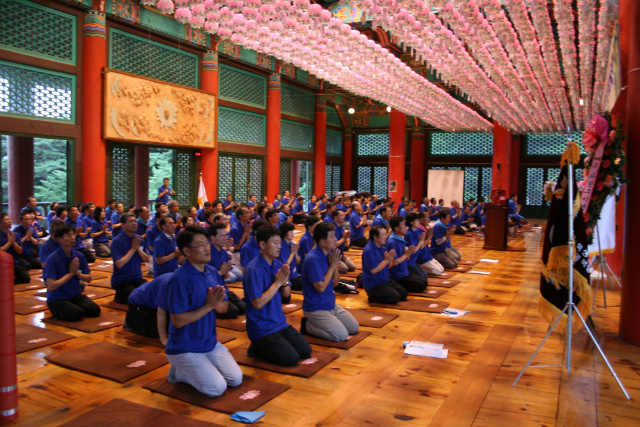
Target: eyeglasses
[(202, 245)]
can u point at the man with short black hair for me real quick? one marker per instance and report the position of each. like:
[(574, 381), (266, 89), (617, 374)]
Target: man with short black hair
[(251, 249), (173, 213), (376, 262), (400, 269), (289, 255), (357, 223), (81, 233), (306, 241), (265, 284), (441, 248), (128, 256), (241, 230), (297, 211), (166, 256), (28, 236), (324, 318), (342, 235), (164, 192), (200, 212), (220, 260), (194, 296), (65, 269)]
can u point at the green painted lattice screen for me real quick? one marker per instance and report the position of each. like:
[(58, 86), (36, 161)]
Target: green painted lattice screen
[(549, 144), (47, 33), (297, 102), (123, 174), (460, 144), (372, 144), (372, 179), (240, 177), (334, 142), (35, 92), (242, 86), (332, 179), (285, 176), (241, 126), (185, 174), (296, 136), (137, 55)]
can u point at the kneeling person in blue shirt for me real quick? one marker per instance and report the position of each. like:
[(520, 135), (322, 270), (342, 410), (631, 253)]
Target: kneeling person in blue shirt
[(148, 308), (265, 284), (376, 262), (196, 356), (323, 318), (65, 269)]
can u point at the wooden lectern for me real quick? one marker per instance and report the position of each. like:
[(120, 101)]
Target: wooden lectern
[(496, 228)]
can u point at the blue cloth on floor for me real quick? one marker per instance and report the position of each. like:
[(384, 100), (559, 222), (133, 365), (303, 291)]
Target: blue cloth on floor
[(247, 417)]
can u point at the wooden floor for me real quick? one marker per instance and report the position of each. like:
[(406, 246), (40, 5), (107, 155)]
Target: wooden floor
[(375, 384)]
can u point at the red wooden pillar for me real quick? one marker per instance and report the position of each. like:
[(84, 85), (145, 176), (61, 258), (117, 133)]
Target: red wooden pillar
[(272, 168), (295, 178), (397, 154), (347, 166), (418, 149), (141, 157), (209, 159), (501, 164), (630, 294), (514, 170), (20, 173), (320, 159), (94, 148)]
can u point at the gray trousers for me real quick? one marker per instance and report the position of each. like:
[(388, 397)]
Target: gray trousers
[(331, 325), (346, 265)]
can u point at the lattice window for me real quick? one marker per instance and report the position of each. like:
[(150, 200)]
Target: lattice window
[(242, 86), (185, 179), (47, 33), (372, 144), (31, 91), (240, 177), (471, 181), (285, 176), (225, 176), (461, 144), (296, 136), (485, 188), (333, 118), (240, 180), (122, 174), (364, 178), (255, 177), (332, 179), (297, 102), (334, 142), (336, 181), (535, 185), (241, 126), (373, 179), (148, 58), (550, 144)]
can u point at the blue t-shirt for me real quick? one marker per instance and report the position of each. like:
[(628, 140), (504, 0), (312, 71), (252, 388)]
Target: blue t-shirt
[(286, 201), (218, 257), (200, 214), (455, 218), (315, 266), (276, 204), (311, 206), (400, 206), (356, 232), (251, 204), (402, 213), (152, 235), (57, 266), (328, 219), (115, 219), (3, 241), (187, 291), (397, 243), (297, 208), (147, 294), (439, 231), (306, 243), (372, 256), (131, 270), (412, 239), (283, 217), (51, 216), (236, 232), (47, 248), (373, 208), (36, 209), (96, 227), (258, 277), (108, 213), (248, 252), (433, 213), (75, 224), (339, 232), (424, 254), (225, 206), (513, 207), (165, 197), (285, 251), (378, 220), (164, 246), (27, 246)]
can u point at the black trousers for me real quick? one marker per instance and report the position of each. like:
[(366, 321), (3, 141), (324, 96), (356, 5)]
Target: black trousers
[(360, 243), (20, 274), (299, 219), (87, 254), (284, 348), (296, 283), (413, 283), (74, 309), (236, 307), (143, 320), (387, 293), (30, 261), (124, 289)]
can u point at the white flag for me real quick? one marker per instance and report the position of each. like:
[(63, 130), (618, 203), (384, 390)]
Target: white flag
[(202, 194)]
